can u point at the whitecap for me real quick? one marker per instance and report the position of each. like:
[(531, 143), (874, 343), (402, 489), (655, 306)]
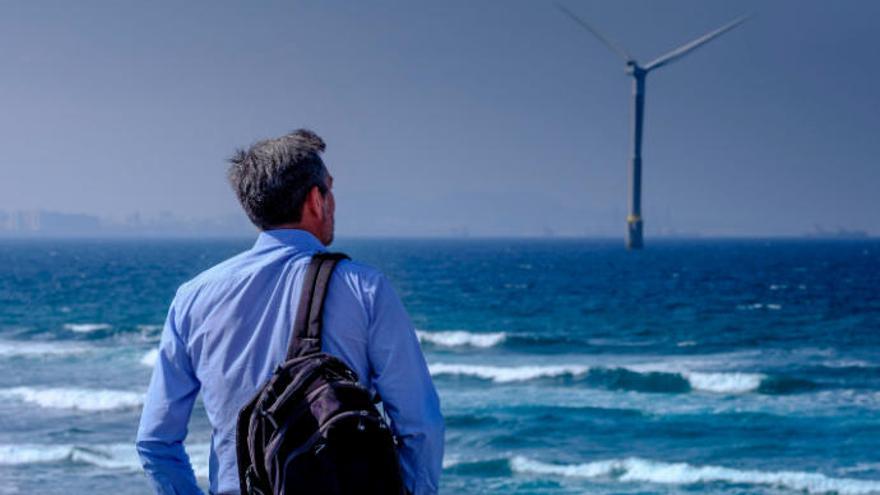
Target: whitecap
[(724, 383), (459, 338), (849, 363), (862, 467), (119, 456), (113, 456), (634, 469), (756, 306), (150, 333), (13, 455), (750, 306), (715, 382), (81, 399), (87, 327), (506, 374), (149, 359), (850, 398), (9, 348)]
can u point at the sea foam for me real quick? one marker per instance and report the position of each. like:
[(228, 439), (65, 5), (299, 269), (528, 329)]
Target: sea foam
[(451, 461), (86, 327), (505, 374), (458, 338), (724, 383), (150, 333), (9, 348), (756, 306), (119, 456), (715, 382), (82, 399), (720, 382), (149, 359), (13, 455), (642, 470)]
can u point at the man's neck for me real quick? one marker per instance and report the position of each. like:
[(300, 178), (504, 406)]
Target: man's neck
[(299, 226)]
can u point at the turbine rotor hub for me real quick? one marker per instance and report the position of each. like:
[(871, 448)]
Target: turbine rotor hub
[(634, 69)]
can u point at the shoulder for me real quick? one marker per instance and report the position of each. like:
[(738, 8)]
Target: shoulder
[(364, 283), (363, 280), (359, 272), (375, 292), (219, 275)]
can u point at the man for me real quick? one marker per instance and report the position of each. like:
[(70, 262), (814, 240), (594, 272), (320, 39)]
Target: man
[(229, 327)]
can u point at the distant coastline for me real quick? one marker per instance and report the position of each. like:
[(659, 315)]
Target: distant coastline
[(42, 224), (51, 224)]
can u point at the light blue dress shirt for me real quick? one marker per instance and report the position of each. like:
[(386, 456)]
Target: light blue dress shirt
[(227, 330)]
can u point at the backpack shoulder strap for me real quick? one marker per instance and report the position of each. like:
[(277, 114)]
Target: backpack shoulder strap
[(306, 336)]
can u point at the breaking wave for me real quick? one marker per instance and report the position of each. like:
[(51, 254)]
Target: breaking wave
[(459, 338), (149, 359), (450, 461), (150, 333), (13, 455), (724, 383), (502, 374), (529, 342), (82, 399), (642, 470), (9, 348), (87, 327), (120, 456), (640, 378)]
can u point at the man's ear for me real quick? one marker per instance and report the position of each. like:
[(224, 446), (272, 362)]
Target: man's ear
[(315, 203)]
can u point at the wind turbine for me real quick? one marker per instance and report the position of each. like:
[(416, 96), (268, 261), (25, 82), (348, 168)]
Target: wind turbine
[(639, 73)]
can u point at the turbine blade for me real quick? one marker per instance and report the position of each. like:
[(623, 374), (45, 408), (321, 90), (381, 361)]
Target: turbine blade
[(614, 47), (693, 45)]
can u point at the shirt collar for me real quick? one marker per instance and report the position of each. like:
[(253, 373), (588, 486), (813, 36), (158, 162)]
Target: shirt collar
[(299, 239)]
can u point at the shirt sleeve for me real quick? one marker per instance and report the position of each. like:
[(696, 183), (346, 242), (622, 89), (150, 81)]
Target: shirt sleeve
[(165, 417), (401, 377)]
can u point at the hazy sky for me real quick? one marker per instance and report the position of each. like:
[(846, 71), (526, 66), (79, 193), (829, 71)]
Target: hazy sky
[(492, 117)]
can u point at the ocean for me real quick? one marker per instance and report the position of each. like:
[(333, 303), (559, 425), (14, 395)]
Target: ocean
[(563, 366)]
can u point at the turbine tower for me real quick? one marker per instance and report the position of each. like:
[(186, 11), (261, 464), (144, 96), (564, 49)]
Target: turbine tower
[(639, 73)]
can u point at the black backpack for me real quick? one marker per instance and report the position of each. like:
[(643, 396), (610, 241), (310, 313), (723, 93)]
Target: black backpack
[(312, 428)]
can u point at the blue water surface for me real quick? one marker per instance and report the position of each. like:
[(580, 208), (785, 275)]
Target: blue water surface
[(564, 366)]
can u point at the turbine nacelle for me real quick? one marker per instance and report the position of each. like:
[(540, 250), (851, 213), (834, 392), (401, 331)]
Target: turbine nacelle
[(634, 69)]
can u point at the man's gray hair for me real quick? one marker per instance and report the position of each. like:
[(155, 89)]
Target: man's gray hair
[(273, 177)]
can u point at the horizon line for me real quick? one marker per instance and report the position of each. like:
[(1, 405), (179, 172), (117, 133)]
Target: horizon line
[(443, 237)]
